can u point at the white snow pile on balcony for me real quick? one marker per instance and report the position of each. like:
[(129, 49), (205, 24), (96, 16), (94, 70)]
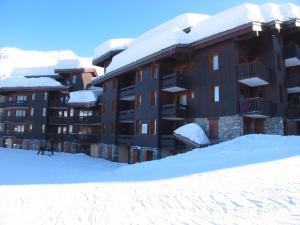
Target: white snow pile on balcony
[(21, 82), (85, 96), (249, 180), (193, 132), (158, 38), (154, 40), (17, 62), (111, 45)]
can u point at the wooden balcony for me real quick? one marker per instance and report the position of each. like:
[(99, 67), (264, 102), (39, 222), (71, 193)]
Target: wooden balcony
[(252, 74), (58, 120), (57, 104), (174, 112), (256, 107), (85, 137), (174, 83), (168, 142), (294, 113), (16, 104), (125, 139), (18, 119), (293, 83), (127, 93), (57, 137), (292, 55), (24, 135), (89, 120), (127, 116)]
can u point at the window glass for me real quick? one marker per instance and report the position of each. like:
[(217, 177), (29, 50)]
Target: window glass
[(215, 62)]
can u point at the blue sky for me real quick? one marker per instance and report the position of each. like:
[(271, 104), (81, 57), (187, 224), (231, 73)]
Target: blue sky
[(80, 25)]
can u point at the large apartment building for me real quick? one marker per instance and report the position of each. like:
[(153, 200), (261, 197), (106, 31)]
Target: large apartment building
[(231, 75), (234, 73), (59, 111)]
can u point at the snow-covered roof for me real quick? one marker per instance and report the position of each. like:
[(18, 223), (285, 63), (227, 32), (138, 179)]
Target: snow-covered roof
[(111, 45), (17, 62), (85, 96), (23, 82), (193, 132), (171, 33)]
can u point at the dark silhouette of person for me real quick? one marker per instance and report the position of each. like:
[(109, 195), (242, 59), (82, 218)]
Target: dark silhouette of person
[(41, 150)]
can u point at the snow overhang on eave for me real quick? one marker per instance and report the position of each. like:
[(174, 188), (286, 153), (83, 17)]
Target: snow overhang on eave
[(42, 88), (75, 70), (102, 60), (181, 48), (83, 104)]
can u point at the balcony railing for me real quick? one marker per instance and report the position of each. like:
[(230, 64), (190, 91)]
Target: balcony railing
[(85, 137), (168, 142), (17, 118), (294, 112), (256, 107), (252, 74), (18, 135), (16, 104), (174, 111), (125, 139), (127, 116), (88, 120), (174, 82), (293, 81), (58, 120), (57, 103), (57, 137), (292, 51), (127, 93)]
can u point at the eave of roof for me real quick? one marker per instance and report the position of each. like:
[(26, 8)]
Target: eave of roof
[(75, 70), (100, 61), (43, 88)]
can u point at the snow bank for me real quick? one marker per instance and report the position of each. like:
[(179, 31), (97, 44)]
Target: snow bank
[(17, 62), (250, 180), (19, 82), (193, 132), (111, 45), (168, 34), (85, 96)]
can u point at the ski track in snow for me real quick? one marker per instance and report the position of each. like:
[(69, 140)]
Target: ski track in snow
[(264, 193)]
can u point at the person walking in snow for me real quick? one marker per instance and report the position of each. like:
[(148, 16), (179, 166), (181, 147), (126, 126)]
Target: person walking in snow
[(41, 149)]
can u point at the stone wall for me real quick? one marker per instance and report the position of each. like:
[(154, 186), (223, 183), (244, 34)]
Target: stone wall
[(230, 127), (274, 125)]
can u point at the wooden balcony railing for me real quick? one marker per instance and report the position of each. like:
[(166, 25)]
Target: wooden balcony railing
[(125, 139), (174, 80), (174, 111), (292, 51), (127, 91), (293, 112), (87, 120), (293, 80), (168, 142), (258, 106), (58, 120), (127, 115), (252, 70), (16, 104)]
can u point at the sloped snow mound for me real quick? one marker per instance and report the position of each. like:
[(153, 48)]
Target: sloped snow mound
[(193, 132), (85, 96), (28, 82)]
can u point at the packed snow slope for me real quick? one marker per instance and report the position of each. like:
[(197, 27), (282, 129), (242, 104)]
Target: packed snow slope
[(250, 180)]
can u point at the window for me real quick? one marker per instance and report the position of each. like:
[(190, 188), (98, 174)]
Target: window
[(144, 128), (280, 93), (215, 93), (33, 96), (66, 99), (71, 112), (43, 128), (60, 113), (139, 76), (153, 98), (59, 130), (8, 113), (32, 111), (64, 130), (115, 83), (153, 127), (138, 101), (61, 99), (20, 113), (154, 71), (46, 96), (70, 129), (19, 128), (44, 112), (183, 99), (2, 126), (192, 95), (74, 79), (30, 127), (137, 127), (113, 105), (214, 62), (85, 113), (65, 113), (21, 98), (9, 99)]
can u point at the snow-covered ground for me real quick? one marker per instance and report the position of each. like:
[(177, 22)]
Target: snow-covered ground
[(253, 179)]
